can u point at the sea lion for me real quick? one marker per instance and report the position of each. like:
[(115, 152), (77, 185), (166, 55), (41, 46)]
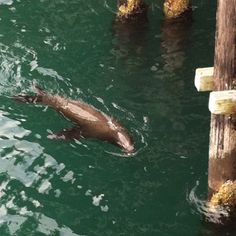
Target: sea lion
[(89, 122)]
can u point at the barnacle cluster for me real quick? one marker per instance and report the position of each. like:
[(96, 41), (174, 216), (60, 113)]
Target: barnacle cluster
[(225, 197), (174, 8), (130, 8)]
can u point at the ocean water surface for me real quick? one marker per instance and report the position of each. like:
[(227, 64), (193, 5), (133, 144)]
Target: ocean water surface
[(141, 74)]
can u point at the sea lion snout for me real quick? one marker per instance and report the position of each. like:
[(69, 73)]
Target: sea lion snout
[(126, 142), (130, 149)]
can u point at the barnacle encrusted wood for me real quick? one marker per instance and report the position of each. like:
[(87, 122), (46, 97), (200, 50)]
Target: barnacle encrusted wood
[(175, 8), (131, 9), (222, 151), (225, 197)]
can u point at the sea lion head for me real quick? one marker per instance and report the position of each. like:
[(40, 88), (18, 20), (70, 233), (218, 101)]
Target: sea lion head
[(125, 141)]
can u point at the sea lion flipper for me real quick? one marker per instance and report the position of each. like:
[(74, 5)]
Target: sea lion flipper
[(67, 134), (31, 98), (39, 90), (26, 98)]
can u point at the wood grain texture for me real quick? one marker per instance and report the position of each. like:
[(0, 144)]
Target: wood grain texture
[(222, 153)]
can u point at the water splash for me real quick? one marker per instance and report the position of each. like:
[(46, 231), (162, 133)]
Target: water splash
[(20, 69), (203, 208), (6, 2)]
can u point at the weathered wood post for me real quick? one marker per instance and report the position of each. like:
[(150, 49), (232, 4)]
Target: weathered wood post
[(222, 104), (222, 152)]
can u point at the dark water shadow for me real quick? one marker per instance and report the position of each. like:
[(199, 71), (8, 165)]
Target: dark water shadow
[(175, 37), (130, 36), (210, 229)]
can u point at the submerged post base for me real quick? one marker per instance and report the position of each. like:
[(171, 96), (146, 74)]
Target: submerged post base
[(175, 8), (131, 10), (225, 197)]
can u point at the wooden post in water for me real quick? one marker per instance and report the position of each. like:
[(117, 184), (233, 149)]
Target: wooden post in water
[(176, 31), (176, 8), (222, 153), (131, 10), (130, 24)]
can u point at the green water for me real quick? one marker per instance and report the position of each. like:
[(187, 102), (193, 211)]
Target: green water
[(144, 77)]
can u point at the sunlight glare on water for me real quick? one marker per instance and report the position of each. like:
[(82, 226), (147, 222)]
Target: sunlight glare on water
[(18, 167)]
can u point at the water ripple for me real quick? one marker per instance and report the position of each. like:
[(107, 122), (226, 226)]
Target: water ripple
[(26, 164), (203, 208), (6, 2)]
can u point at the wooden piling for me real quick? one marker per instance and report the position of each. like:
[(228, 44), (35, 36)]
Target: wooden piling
[(176, 8), (222, 153), (129, 10)]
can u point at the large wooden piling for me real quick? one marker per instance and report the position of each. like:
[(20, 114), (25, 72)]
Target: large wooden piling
[(222, 153)]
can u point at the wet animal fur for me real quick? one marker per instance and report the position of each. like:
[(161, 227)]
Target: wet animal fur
[(90, 123)]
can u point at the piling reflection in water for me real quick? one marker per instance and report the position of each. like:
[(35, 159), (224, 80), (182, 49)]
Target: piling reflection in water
[(175, 37), (130, 38)]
